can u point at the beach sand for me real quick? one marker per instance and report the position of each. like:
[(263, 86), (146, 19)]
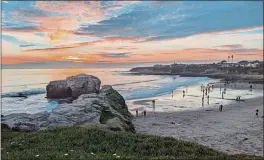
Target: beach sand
[(235, 130)]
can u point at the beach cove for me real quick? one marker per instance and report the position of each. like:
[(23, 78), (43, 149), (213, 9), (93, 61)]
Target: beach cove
[(235, 130)]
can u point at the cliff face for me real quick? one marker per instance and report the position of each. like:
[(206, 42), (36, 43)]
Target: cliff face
[(166, 69), (106, 109)]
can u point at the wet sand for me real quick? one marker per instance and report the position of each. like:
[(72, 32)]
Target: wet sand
[(235, 130)]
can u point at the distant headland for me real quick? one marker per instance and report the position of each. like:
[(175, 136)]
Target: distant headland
[(246, 71)]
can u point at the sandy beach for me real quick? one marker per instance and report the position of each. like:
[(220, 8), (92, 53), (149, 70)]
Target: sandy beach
[(235, 130)]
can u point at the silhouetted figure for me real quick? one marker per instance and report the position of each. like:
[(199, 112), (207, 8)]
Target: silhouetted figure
[(183, 93), (257, 112), (208, 99), (222, 95), (144, 112), (153, 105), (136, 112), (203, 101), (250, 87), (205, 91), (172, 93), (221, 108)]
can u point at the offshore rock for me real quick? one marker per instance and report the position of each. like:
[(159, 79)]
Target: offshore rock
[(73, 86)]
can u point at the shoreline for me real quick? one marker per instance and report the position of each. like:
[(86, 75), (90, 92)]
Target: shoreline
[(242, 78), (235, 130)]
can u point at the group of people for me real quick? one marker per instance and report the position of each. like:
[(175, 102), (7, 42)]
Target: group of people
[(206, 90)]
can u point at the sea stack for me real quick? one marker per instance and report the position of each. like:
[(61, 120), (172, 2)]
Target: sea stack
[(73, 86)]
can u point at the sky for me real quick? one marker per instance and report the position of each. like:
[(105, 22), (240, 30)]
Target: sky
[(113, 32)]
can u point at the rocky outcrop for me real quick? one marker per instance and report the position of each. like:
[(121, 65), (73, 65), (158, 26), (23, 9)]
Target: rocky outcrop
[(58, 89), (73, 86), (106, 109)]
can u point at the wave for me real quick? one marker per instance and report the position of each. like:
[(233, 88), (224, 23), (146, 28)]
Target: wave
[(23, 85), (120, 84), (24, 93), (162, 89)]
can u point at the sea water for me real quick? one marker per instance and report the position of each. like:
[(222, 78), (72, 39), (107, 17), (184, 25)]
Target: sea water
[(32, 83)]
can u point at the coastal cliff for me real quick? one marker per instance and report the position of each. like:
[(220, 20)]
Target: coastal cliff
[(229, 72)]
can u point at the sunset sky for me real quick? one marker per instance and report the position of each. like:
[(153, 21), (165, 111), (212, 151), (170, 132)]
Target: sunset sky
[(131, 31)]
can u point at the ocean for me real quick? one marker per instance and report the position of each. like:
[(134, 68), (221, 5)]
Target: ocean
[(32, 82)]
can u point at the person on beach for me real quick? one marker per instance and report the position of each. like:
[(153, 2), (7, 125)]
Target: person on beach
[(203, 92), (136, 112), (250, 87), (206, 91), (153, 105), (208, 99), (222, 95), (221, 108), (183, 93), (144, 113), (172, 93), (203, 101), (257, 112)]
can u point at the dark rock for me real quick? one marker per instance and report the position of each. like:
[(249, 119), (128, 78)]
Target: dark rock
[(73, 86)]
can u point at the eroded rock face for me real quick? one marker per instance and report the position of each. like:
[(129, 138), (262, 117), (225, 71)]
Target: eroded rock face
[(73, 86), (58, 89), (83, 84), (105, 109)]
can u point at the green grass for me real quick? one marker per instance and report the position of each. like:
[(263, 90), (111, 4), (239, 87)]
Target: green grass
[(92, 143)]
